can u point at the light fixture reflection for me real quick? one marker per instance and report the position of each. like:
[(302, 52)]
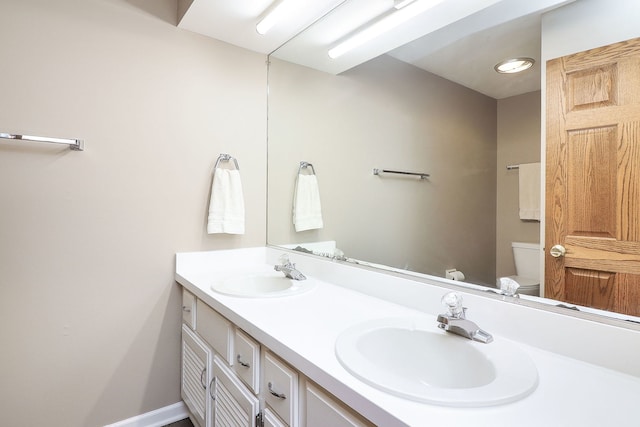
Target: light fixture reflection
[(273, 15), (384, 24), (514, 65)]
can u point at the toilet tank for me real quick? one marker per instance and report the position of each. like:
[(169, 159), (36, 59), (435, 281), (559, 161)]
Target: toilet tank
[(527, 258)]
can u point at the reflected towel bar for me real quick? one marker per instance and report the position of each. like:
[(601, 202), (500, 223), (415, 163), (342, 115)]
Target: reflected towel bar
[(511, 167), (74, 144), (420, 174)]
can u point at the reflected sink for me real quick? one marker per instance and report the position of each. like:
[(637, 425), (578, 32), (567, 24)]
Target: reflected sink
[(413, 359), (261, 285)]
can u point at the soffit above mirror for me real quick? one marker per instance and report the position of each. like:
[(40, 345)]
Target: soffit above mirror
[(480, 32)]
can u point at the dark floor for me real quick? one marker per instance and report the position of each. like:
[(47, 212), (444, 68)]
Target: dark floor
[(182, 423)]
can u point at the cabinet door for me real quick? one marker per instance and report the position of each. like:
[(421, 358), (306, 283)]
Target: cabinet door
[(196, 376), (235, 405), (322, 411)]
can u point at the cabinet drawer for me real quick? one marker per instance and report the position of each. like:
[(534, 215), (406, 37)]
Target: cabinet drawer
[(189, 308), (280, 388), (216, 330), (323, 410), (246, 363)]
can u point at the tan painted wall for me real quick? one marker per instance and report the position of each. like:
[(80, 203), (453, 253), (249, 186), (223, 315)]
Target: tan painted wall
[(518, 142), (390, 115), (90, 310)]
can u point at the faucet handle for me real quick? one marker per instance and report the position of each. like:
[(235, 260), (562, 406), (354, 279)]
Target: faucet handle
[(453, 302), (284, 259), (509, 286)]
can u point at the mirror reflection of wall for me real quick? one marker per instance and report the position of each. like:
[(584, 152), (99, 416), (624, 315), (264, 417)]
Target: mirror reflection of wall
[(387, 114)]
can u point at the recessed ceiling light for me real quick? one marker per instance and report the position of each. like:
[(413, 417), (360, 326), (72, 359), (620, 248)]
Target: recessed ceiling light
[(514, 65)]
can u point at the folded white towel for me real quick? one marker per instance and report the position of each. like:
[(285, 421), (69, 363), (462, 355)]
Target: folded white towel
[(226, 207), (307, 212), (529, 175)]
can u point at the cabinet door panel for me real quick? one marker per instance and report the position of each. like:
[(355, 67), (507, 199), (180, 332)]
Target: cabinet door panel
[(235, 405), (196, 376)]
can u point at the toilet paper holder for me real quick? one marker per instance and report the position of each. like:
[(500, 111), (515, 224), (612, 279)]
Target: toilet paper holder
[(453, 274)]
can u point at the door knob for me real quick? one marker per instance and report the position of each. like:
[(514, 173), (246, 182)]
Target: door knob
[(557, 251)]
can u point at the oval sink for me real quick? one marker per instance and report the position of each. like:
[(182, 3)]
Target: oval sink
[(413, 359), (261, 285)]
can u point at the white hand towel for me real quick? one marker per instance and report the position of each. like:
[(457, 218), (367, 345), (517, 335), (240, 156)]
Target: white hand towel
[(529, 175), (307, 212), (226, 207)]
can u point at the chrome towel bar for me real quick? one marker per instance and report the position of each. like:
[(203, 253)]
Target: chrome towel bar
[(420, 174), (74, 144)]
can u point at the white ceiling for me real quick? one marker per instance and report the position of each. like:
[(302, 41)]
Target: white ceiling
[(459, 40)]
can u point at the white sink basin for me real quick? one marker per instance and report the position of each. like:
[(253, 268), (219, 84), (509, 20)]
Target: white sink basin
[(413, 359), (261, 285)]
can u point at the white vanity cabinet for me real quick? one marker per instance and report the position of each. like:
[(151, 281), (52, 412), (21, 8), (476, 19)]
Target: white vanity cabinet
[(230, 379)]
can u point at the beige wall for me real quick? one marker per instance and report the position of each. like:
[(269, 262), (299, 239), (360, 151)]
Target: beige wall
[(390, 115), (518, 142), (90, 311)]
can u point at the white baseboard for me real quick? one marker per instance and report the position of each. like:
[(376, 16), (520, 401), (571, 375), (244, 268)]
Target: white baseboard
[(158, 418)]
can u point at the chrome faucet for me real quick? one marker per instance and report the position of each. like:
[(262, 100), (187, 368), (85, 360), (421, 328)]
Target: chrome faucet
[(288, 268), (455, 320)]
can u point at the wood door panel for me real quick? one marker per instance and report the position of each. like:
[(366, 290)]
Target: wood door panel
[(592, 88), (590, 288), (628, 294), (593, 178), (629, 183), (602, 55), (591, 183), (611, 245)]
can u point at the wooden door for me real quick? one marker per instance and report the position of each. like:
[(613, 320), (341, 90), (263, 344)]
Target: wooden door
[(593, 178)]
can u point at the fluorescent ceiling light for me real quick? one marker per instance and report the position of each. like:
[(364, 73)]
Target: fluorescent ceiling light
[(514, 65), (272, 15), (388, 22)]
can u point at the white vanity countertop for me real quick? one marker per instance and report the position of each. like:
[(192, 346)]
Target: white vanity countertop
[(302, 329)]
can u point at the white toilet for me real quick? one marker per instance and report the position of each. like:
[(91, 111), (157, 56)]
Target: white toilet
[(527, 258)]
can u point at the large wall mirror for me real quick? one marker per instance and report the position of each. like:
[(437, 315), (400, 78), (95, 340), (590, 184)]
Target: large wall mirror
[(433, 106)]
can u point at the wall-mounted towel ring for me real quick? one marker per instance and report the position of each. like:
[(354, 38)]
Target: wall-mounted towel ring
[(304, 165), (225, 158)]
